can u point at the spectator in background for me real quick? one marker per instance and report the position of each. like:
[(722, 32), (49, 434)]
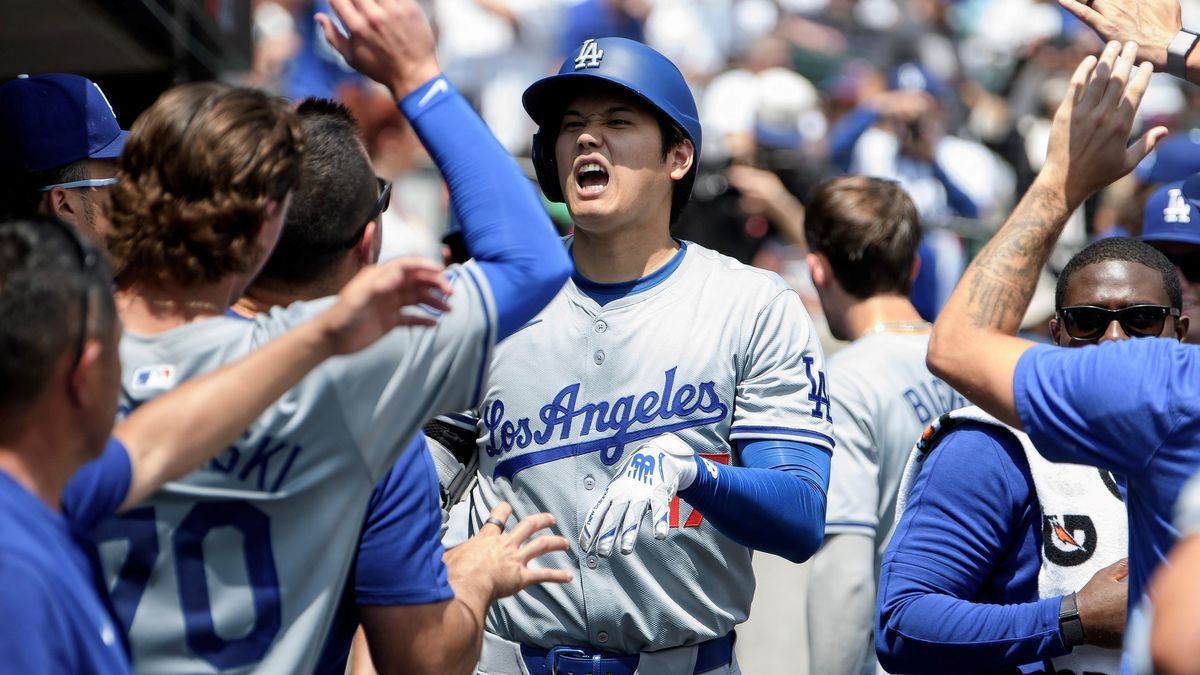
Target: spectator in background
[(901, 135), (763, 171)]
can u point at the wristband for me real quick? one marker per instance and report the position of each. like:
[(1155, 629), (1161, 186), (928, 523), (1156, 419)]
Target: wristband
[(1070, 627), (1177, 52)]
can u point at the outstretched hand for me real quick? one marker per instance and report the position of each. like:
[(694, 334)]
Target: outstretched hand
[(389, 41), (502, 558), (371, 304), (1092, 126), (1150, 23)]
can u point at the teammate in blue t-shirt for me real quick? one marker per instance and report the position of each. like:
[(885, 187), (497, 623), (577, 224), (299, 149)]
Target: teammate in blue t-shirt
[(995, 596), (1095, 405)]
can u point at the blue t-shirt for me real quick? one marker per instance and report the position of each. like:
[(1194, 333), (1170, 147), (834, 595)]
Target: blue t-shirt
[(400, 555), (1132, 407), (54, 617), (958, 583)]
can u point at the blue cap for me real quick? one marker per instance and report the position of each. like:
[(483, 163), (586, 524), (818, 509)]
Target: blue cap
[(915, 77), (1175, 158), (48, 121), (1171, 213)]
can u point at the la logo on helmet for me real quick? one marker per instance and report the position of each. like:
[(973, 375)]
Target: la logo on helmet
[(589, 55)]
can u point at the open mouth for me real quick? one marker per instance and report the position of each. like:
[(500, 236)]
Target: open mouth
[(591, 177)]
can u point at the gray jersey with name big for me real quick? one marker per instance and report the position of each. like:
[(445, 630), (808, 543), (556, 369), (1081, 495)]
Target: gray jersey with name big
[(239, 566), (883, 396), (716, 352)]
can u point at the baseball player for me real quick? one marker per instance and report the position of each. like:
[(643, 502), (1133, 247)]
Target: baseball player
[(237, 567), (61, 141), (661, 369), (58, 393), (1088, 406), (402, 591), (862, 236)]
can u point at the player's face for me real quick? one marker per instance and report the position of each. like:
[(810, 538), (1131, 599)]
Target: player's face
[(610, 162), (86, 208), (1114, 285)]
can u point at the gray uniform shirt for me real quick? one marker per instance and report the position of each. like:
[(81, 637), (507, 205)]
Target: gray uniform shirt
[(715, 352), (239, 566)]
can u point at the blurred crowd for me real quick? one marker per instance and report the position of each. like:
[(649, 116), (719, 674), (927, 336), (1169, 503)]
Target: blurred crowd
[(953, 98)]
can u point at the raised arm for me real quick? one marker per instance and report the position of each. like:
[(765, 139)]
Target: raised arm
[(973, 347), (506, 229), (175, 433), (1152, 24)]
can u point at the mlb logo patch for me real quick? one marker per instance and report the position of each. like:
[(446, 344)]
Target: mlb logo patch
[(154, 377)]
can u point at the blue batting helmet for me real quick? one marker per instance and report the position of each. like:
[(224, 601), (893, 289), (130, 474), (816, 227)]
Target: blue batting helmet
[(632, 67)]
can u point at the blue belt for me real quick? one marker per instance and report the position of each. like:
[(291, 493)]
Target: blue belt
[(571, 660)]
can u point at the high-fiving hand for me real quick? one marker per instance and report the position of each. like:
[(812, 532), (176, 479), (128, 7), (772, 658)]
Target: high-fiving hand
[(646, 481), (389, 41)]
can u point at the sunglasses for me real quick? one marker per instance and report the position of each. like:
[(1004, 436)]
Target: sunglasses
[(1188, 264), (1085, 323), (76, 184), (381, 205)]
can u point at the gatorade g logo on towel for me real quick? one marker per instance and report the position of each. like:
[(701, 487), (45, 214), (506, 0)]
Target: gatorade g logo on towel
[(1068, 540)]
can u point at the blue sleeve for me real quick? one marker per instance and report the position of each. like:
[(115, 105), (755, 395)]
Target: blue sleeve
[(400, 555), (960, 524), (96, 490), (1110, 406), (774, 502), (506, 229), (958, 200), (845, 134)]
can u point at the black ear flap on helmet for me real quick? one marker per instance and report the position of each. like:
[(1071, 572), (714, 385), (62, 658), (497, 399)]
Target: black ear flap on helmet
[(546, 166)]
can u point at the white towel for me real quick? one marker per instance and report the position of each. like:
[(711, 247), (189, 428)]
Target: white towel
[(1083, 526)]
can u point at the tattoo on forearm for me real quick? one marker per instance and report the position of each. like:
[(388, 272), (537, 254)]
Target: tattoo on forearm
[(1006, 270)]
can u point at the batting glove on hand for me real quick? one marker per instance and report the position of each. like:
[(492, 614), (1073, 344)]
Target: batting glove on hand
[(649, 479)]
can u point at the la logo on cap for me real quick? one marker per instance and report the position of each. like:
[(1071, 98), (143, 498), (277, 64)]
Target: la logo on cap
[(1177, 210), (589, 55)]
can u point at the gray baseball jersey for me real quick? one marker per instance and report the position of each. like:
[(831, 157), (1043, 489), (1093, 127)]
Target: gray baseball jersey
[(883, 396), (715, 352), (239, 566)]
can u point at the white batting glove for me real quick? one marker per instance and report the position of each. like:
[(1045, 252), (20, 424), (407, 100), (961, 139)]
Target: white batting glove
[(648, 480)]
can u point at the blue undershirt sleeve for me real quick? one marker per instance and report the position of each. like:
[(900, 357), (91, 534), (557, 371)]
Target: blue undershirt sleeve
[(963, 520), (959, 201), (774, 502), (507, 231), (845, 134)]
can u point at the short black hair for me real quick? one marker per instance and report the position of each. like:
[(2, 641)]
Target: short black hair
[(332, 201), (1122, 249), (42, 283), (869, 230), (20, 193)]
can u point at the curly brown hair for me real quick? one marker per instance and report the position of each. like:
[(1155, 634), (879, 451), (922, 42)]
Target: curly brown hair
[(197, 173)]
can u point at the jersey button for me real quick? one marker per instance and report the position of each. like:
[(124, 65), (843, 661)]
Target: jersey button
[(589, 483), (601, 326), (602, 637), (599, 356), (592, 562)]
